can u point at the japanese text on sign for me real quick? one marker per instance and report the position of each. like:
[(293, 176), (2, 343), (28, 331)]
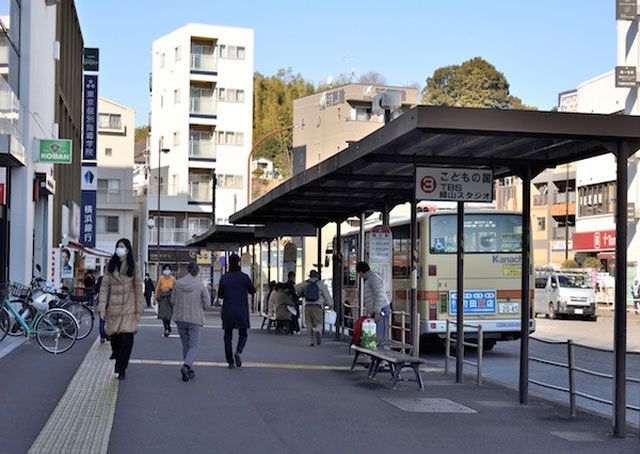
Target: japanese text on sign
[(88, 216), (90, 118), (469, 185), (475, 302)]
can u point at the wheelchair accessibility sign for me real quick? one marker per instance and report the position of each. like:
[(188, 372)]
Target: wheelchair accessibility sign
[(475, 302)]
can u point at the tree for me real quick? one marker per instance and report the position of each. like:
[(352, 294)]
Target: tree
[(475, 83), (372, 78), (140, 143), (273, 109), (592, 263), (568, 264)]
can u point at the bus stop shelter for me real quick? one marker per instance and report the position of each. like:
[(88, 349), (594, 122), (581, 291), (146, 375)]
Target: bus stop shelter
[(378, 172)]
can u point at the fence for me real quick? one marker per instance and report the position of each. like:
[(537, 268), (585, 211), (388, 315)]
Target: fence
[(479, 345), (571, 371)]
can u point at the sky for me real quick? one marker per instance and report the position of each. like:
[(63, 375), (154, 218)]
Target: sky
[(543, 47)]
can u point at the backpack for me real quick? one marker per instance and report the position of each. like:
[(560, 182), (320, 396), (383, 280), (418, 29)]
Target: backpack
[(312, 292)]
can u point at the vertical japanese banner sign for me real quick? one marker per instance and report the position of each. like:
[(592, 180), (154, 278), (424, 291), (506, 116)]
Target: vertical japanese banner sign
[(380, 256), (89, 175)]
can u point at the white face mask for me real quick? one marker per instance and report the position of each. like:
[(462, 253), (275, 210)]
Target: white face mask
[(121, 252), (167, 273)]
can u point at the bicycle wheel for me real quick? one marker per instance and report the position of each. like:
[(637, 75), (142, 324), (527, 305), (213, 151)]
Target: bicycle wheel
[(15, 328), (4, 323), (56, 331), (84, 316)]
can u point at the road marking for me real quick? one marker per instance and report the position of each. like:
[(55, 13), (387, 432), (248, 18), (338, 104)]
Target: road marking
[(247, 364), (82, 420), (160, 325)]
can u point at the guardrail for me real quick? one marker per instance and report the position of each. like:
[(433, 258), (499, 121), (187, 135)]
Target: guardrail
[(479, 345), (406, 347), (571, 368)]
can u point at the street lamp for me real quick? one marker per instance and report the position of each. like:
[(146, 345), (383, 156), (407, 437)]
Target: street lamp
[(160, 151)]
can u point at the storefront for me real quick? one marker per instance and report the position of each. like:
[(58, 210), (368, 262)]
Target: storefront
[(178, 259), (599, 244)]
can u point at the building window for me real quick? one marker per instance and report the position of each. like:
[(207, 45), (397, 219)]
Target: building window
[(178, 53), (542, 224), (198, 225), (229, 138), (230, 181), (162, 60), (232, 52), (176, 139), (108, 151), (107, 224), (597, 199), (109, 121), (108, 186), (230, 95), (176, 96)]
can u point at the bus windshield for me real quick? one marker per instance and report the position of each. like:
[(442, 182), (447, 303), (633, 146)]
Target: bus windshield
[(483, 233), (573, 281)]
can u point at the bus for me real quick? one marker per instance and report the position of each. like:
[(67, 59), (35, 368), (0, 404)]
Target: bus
[(492, 272)]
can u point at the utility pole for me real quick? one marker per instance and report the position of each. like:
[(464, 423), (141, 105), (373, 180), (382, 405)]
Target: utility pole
[(160, 151)]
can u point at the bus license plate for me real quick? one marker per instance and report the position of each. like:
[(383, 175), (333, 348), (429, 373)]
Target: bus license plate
[(508, 308), (578, 311)]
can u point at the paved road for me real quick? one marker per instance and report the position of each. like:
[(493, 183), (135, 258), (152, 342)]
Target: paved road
[(502, 363)]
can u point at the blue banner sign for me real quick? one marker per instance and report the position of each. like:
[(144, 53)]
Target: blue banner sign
[(88, 219), (475, 302), (90, 130)]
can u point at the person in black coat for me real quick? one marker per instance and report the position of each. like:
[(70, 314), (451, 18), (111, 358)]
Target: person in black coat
[(234, 290), (149, 288)]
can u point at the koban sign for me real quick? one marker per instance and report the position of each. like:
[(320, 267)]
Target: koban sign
[(55, 151), (466, 185)]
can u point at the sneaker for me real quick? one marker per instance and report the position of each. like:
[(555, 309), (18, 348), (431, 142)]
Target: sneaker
[(166, 333), (318, 339), (312, 344), (231, 365), (121, 376), (113, 356), (102, 340), (192, 374), (238, 360), (184, 370)]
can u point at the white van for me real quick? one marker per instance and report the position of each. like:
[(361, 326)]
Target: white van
[(561, 293)]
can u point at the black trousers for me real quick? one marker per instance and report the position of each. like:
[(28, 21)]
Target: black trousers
[(121, 344), (147, 297), (228, 338), (167, 324)]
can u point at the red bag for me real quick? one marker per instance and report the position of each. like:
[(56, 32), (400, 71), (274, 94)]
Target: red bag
[(357, 330)]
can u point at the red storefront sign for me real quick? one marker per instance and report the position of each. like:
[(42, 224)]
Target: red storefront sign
[(595, 241)]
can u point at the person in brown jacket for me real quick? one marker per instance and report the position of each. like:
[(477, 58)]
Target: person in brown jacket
[(189, 298), (121, 303)]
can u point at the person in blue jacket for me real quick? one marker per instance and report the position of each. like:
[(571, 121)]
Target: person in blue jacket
[(234, 290)]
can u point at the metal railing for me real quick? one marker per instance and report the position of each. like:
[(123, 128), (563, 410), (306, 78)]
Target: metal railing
[(571, 368), (171, 237), (202, 105), (202, 149), (479, 345), (201, 61), (122, 196)]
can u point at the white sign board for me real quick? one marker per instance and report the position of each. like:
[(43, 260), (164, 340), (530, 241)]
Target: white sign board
[(454, 184), (89, 180), (381, 256)]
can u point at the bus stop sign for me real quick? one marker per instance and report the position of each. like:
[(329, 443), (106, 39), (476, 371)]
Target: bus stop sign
[(454, 184)]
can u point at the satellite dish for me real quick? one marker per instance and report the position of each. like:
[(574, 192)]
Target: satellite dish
[(368, 90), (329, 80)]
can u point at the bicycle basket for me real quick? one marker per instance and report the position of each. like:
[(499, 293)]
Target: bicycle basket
[(17, 290)]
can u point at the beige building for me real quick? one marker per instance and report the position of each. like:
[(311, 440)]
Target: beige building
[(325, 123), (117, 203)]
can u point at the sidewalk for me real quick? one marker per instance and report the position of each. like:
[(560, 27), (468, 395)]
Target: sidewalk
[(289, 397)]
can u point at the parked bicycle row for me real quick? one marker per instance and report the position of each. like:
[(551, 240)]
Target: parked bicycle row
[(55, 317)]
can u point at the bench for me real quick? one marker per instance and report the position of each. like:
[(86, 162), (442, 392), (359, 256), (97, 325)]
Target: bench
[(396, 360), (280, 326)]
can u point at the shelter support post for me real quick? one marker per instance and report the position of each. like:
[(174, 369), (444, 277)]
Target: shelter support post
[(525, 307), (620, 307), (319, 252), (253, 275), (337, 280), (268, 262), (361, 257), (385, 215), (460, 295), (415, 317), (278, 261)]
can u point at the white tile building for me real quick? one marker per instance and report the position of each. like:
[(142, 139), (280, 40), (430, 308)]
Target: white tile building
[(202, 112)]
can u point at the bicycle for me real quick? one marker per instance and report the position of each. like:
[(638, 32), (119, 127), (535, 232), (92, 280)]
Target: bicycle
[(56, 330), (80, 310)]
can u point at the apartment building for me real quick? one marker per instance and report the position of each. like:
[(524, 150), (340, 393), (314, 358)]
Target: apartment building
[(201, 128), (324, 124), (116, 199)]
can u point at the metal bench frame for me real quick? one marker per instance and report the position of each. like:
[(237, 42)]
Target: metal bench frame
[(397, 361)]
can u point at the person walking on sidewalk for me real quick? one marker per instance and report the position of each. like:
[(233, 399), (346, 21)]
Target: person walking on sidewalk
[(635, 294), (295, 299), (234, 288), (376, 303), (148, 289), (163, 298), (316, 296), (189, 298), (121, 303)]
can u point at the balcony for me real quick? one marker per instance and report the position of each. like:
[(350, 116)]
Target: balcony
[(200, 192), (122, 197), (202, 149), (204, 62), (171, 237), (202, 106), (12, 152)]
